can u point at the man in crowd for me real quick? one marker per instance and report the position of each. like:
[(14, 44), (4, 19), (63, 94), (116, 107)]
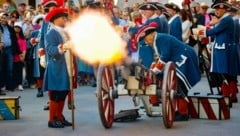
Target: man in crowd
[(8, 47)]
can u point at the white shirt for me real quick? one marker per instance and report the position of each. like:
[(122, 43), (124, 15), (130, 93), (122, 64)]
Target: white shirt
[(186, 30)]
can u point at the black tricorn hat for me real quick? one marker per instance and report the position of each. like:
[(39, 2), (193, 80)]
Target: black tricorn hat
[(220, 4), (160, 6), (148, 6), (172, 6)]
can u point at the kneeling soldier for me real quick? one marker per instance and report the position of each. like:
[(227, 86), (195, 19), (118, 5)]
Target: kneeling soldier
[(168, 48)]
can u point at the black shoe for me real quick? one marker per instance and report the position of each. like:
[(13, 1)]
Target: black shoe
[(65, 122), (39, 94), (46, 107), (55, 124), (2, 93), (180, 117)]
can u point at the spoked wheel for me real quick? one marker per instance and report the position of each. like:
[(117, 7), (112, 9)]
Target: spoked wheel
[(169, 88), (105, 87)]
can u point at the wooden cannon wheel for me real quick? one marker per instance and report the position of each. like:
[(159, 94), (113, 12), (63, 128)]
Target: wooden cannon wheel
[(105, 87), (169, 88)]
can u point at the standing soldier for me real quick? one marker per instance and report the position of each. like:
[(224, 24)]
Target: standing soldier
[(48, 5), (236, 62), (175, 24), (149, 13), (38, 70), (223, 50), (57, 74), (162, 17)]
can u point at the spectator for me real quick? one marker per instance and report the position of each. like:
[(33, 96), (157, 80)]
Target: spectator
[(14, 17), (10, 47), (5, 7), (18, 58), (22, 7), (1, 47), (12, 5), (207, 19), (186, 25), (199, 19)]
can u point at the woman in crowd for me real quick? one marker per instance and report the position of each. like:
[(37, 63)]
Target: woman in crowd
[(18, 59)]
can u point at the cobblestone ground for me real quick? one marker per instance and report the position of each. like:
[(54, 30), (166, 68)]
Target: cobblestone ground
[(33, 120)]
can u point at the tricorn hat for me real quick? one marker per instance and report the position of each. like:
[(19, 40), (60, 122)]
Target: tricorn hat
[(146, 30), (148, 6), (220, 4), (172, 6), (49, 3), (56, 13)]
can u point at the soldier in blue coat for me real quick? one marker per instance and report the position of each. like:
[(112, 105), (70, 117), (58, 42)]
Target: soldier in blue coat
[(168, 48), (224, 51), (148, 10), (57, 73), (235, 50), (48, 5), (38, 70), (149, 13), (175, 24)]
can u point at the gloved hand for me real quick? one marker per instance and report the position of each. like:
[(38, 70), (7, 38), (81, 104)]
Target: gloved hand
[(43, 61), (201, 32), (125, 29), (41, 54), (205, 40), (34, 41), (157, 67)]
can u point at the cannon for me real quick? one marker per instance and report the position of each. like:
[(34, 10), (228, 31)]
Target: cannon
[(112, 83)]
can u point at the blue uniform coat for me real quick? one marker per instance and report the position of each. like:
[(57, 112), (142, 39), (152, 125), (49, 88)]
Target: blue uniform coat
[(36, 69), (236, 47), (56, 74), (223, 46), (44, 29), (170, 49), (175, 27), (145, 50)]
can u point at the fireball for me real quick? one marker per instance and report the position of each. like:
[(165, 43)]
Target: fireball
[(95, 40)]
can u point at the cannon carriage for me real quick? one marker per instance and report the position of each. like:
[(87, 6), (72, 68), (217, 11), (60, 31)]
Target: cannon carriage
[(113, 82)]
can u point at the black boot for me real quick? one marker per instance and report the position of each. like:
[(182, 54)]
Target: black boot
[(40, 92), (180, 117), (55, 124), (65, 122)]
